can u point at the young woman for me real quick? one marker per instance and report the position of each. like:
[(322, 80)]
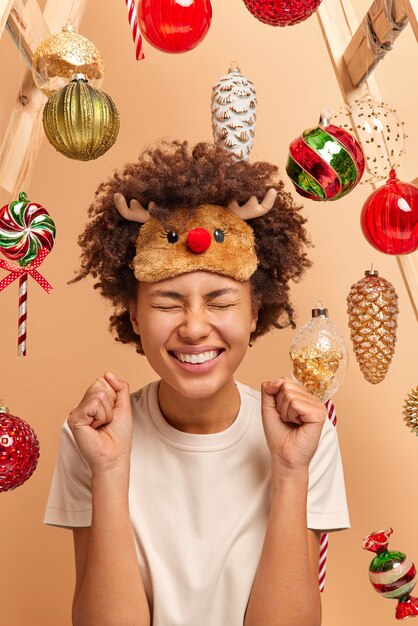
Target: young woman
[(196, 501)]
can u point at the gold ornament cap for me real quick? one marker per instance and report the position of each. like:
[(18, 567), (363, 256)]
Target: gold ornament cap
[(3, 407), (319, 311), (59, 56)]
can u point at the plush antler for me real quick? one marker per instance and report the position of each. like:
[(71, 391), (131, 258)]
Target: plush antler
[(252, 208), (135, 212)]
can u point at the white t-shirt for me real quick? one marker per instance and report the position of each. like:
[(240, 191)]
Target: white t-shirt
[(199, 506)]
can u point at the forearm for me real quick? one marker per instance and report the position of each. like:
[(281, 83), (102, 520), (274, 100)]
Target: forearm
[(285, 591), (112, 591)]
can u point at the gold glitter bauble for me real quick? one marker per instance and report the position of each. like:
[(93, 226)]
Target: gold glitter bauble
[(372, 318), (80, 121), (60, 56), (315, 369), (411, 410)]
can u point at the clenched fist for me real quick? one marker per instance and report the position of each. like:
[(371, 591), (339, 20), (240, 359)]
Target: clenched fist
[(102, 424), (293, 421)]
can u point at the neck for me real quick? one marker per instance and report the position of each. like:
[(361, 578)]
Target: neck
[(200, 415)]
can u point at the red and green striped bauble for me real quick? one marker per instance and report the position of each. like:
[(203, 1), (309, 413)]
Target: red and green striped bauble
[(325, 162), (392, 573)]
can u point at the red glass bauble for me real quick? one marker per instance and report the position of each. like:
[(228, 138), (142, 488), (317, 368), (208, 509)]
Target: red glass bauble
[(19, 451), (389, 218), (282, 12), (174, 25)]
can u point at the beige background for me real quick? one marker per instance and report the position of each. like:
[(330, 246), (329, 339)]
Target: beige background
[(69, 346)]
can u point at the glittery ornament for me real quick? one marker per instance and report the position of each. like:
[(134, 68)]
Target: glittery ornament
[(61, 56), (174, 25), (282, 12), (389, 218), (380, 133), (233, 113), (325, 162), (26, 228), (372, 318), (19, 450), (411, 410), (319, 355), (392, 573), (80, 121)]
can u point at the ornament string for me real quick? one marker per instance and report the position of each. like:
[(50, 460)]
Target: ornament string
[(136, 33), (323, 545)]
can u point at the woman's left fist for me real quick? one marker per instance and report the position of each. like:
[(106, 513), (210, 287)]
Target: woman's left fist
[(293, 421)]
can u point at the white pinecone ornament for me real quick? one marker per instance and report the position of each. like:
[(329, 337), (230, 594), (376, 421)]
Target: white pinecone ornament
[(372, 318), (233, 113), (411, 410)]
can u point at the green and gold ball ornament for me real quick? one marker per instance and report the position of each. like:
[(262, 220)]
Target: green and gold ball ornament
[(81, 121), (325, 162)]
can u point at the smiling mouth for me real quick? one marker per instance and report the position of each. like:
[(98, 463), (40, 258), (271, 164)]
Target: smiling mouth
[(196, 359)]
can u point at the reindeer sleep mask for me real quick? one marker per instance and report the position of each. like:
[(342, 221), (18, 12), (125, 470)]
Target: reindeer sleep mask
[(208, 237)]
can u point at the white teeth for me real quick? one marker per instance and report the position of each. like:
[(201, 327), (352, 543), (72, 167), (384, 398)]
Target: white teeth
[(197, 358)]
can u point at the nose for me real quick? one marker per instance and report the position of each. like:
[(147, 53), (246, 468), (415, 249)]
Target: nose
[(194, 326), (198, 240)]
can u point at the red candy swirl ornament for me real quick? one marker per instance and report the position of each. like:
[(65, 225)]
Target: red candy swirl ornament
[(19, 450), (174, 25)]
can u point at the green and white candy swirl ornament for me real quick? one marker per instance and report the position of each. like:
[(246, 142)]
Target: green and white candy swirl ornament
[(326, 162), (27, 234)]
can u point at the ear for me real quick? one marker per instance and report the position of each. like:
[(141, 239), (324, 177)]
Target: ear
[(133, 318), (254, 320)]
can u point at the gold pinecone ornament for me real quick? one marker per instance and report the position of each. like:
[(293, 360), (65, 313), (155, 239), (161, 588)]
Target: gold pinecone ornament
[(411, 410), (80, 121), (372, 318), (233, 113)]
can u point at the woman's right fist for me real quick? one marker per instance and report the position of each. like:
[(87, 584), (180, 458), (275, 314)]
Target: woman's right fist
[(102, 424)]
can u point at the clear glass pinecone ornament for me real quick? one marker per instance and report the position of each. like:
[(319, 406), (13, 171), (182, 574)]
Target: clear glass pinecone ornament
[(233, 113), (411, 410), (372, 318)]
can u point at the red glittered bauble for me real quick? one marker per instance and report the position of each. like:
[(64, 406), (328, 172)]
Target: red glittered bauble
[(389, 218), (282, 12), (19, 450), (174, 25)]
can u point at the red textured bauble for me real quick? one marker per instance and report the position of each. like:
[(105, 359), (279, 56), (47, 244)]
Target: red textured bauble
[(198, 240), (19, 451), (282, 12), (174, 25), (389, 218)]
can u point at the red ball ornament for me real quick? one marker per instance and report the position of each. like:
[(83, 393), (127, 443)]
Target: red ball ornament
[(282, 12), (389, 218), (19, 450), (174, 25)]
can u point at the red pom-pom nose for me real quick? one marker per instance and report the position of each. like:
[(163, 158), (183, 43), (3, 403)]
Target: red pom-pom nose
[(198, 239)]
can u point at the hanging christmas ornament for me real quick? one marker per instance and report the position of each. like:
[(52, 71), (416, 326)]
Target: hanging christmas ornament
[(372, 318), (233, 113), (174, 25), (80, 121), (319, 355), (392, 573), (19, 450), (325, 162), (380, 132), (282, 12), (411, 410), (61, 56), (27, 235), (389, 218)]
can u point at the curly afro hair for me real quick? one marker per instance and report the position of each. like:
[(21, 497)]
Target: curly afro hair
[(175, 174)]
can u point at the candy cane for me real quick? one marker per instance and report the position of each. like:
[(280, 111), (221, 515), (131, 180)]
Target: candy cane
[(23, 296), (136, 33), (323, 546)]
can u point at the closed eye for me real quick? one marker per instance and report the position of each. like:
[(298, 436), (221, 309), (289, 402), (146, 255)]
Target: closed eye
[(165, 308)]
